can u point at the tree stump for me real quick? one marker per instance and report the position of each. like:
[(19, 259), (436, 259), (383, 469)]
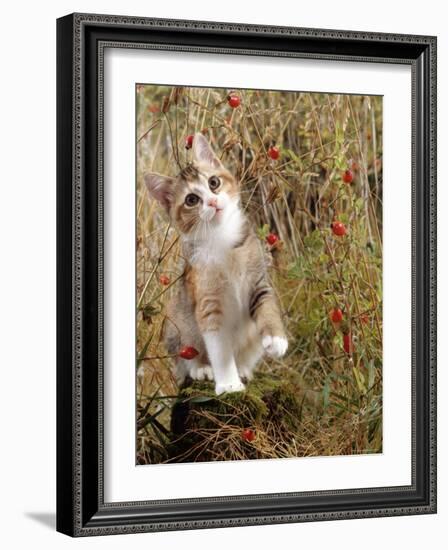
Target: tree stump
[(264, 421)]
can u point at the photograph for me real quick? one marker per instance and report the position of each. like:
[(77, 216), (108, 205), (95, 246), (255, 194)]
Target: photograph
[(246, 273), (258, 273)]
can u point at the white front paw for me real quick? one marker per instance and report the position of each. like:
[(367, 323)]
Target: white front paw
[(275, 346), (229, 387)]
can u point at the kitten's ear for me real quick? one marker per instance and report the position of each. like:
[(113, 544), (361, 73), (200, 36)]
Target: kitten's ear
[(161, 188), (202, 151)]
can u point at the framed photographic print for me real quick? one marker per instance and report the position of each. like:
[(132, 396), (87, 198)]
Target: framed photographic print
[(246, 274)]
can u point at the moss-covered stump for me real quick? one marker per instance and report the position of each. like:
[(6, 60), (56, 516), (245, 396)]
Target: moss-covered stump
[(261, 422)]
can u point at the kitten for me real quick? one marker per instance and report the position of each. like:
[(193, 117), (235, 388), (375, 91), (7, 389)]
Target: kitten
[(225, 306)]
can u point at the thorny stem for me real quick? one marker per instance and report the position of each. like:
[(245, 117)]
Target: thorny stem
[(162, 255)]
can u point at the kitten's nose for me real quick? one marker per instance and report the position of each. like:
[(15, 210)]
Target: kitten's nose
[(213, 202)]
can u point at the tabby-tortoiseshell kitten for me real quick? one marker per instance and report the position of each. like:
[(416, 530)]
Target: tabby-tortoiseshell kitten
[(225, 306)]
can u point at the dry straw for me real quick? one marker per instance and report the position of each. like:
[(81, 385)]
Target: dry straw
[(331, 378)]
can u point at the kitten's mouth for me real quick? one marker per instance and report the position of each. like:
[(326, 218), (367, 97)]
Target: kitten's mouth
[(214, 215)]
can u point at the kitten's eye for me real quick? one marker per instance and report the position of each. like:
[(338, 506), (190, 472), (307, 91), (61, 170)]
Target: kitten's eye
[(191, 199), (214, 182)]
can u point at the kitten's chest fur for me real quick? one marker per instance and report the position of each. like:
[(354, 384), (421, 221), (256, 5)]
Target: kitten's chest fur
[(231, 282), (237, 285), (232, 278)]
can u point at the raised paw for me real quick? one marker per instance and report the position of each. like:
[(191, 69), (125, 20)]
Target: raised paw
[(229, 388), (275, 346)]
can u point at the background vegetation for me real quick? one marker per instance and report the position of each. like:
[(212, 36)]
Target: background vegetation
[(310, 171)]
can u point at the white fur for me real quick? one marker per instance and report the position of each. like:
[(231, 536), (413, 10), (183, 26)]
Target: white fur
[(236, 348), (200, 372), (275, 346), (193, 369), (220, 228), (220, 352)]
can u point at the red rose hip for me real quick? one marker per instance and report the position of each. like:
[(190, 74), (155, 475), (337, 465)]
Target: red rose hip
[(364, 318), (274, 152), (272, 239), (338, 229), (347, 176), (348, 343), (234, 101), (248, 434), (189, 142), (188, 352), (336, 315), (164, 280)]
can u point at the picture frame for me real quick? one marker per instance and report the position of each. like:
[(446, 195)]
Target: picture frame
[(81, 507)]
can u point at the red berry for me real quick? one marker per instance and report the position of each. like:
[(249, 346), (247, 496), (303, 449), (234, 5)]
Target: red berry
[(338, 229), (248, 434), (188, 352), (164, 280), (272, 239), (364, 318), (234, 101), (336, 315), (189, 141), (274, 152), (348, 343), (347, 176)]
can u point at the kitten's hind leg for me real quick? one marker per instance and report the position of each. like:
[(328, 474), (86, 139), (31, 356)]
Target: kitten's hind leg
[(180, 372), (247, 361), (192, 369), (198, 371)]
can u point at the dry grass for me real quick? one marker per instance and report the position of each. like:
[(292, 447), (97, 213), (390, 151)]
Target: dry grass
[(296, 197)]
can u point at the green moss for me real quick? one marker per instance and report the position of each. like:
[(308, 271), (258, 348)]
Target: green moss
[(205, 426)]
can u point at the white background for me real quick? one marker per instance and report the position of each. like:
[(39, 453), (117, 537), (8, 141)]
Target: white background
[(27, 290), (125, 482)]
